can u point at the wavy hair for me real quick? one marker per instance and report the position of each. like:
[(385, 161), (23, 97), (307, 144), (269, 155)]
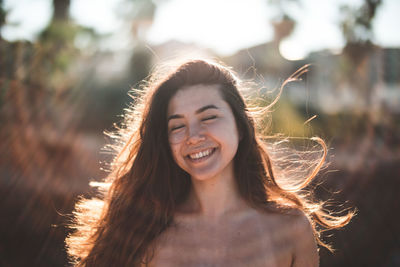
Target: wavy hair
[(145, 185)]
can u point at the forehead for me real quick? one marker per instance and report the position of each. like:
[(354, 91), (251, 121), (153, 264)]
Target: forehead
[(191, 98)]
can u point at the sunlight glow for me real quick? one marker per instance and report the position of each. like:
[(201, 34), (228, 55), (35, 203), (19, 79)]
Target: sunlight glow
[(316, 29), (220, 25), (291, 50), (386, 31), (213, 23), (25, 18), (98, 14)]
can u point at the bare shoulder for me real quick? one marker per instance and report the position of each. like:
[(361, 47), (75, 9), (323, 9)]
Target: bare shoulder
[(295, 221), (305, 246), (299, 222), (293, 230)]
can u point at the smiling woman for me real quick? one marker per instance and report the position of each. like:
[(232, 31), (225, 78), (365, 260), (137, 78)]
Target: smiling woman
[(193, 185), (198, 136)]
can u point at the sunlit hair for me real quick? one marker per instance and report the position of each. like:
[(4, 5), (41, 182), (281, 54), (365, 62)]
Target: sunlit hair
[(145, 185)]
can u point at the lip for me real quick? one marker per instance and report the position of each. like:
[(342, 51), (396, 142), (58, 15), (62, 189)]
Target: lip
[(199, 150), (188, 158)]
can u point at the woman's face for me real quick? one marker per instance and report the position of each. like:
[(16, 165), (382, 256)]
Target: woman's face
[(202, 132)]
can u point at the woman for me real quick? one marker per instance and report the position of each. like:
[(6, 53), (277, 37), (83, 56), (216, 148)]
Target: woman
[(194, 185)]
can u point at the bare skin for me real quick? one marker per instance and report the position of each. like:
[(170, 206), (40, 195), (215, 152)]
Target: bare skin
[(215, 227), (240, 237)]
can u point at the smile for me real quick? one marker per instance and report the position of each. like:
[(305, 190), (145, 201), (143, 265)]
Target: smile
[(201, 154)]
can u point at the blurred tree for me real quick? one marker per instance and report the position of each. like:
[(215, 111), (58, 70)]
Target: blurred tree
[(356, 25), (61, 10), (56, 50), (2, 16), (360, 66), (46, 164), (266, 58), (357, 22), (281, 5), (141, 16), (283, 23), (368, 154)]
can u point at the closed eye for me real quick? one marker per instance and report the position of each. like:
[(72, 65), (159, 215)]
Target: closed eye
[(209, 118), (177, 127)]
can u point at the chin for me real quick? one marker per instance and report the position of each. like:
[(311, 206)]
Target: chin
[(204, 175), (201, 177)]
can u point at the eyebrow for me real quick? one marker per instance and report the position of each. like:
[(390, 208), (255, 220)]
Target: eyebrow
[(200, 110)]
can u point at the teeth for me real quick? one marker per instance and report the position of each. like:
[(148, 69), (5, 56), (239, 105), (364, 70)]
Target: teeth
[(201, 154)]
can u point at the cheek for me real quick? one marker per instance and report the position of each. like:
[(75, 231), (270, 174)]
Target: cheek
[(225, 132), (175, 150), (216, 129)]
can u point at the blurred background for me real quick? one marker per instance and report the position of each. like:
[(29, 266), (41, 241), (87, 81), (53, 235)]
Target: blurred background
[(66, 67)]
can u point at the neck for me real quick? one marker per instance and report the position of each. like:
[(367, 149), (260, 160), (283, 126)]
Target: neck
[(214, 197)]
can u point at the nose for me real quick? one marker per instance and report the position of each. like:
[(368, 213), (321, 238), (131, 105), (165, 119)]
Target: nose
[(195, 134)]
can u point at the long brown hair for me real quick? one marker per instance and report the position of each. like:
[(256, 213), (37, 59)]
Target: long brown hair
[(145, 184)]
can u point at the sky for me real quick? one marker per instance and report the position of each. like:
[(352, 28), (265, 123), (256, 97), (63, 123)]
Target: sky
[(211, 23)]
